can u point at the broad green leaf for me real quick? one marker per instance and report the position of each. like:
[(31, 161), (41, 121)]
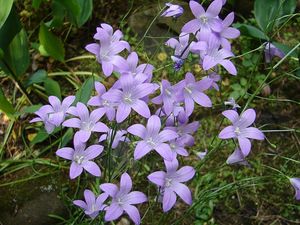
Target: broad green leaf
[(251, 31), (73, 9), (86, 8), (58, 12), (267, 12), (85, 92), (5, 105), (52, 88), (38, 77), (5, 7), (52, 44), (17, 55)]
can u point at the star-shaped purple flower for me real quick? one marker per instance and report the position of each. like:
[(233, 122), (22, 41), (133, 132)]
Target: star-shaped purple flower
[(123, 200), (92, 205), (296, 184), (81, 158), (240, 129), (153, 139), (170, 183), (87, 123)]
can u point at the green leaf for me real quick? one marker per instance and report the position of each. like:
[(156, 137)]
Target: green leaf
[(251, 31), (5, 105), (38, 77), (73, 9), (31, 109), (85, 92), (267, 12), (52, 44), (5, 10), (52, 88), (36, 3), (58, 11), (67, 137), (17, 55), (86, 8)]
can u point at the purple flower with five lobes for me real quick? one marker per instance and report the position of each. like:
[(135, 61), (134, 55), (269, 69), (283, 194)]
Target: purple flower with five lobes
[(130, 97), (92, 205), (87, 123), (271, 51), (237, 157), (118, 136), (81, 157), (123, 200), (206, 21), (172, 11), (221, 38), (240, 129), (192, 91), (153, 139), (212, 78), (107, 51), (108, 106), (170, 183), (185, 131), (296, 184), (43, 116)]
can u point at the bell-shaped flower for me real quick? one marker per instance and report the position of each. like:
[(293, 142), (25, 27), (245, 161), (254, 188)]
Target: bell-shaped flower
[(115, 137), (172, 11), (206, 21), (240, 129), (271, 51), (237, 157), (130, 97), (123, 200), (87, 123), (81, 157), (92, 205), (108, 106), (296, 184), (43, 116), (170, 183), (107, 51), (153, 139)]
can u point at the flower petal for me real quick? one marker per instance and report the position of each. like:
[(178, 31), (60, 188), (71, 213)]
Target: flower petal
[(141, 108), (165, 151), (123, 112), (93, 151), (110, 189), (185, 173), (157, 178), (184, 192), (245, 145), (125, 183), (137, 130), (66, 153), (169, 199), (227, 132), (133, 213), (252, 132), (153, 126), (75, 170), (114, 211), (92, 168), (141, 150)]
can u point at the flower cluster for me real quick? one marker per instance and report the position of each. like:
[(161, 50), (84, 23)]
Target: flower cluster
[(168, 130)]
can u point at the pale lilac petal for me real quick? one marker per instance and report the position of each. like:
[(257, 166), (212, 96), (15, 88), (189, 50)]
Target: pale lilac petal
[(92, 168), (153, 125), (136, 197), (137, 130), (93, 151), (114, 211), (201, 98), (80, 203), (133, 213), (110, 189), (196, 9), (296, 184), (165, 151), (73, 122), (237, 157), (123, 112), (67, 102), (252, 132), (66, 153), (141, 108), (97, 114), (167, 135), (245, 145), (113, 95), (247, 118), (89, 197), (214, 8), (189, 104), (228, 20), (208, 62), (56, 118), (185, 173), (107, 68), (141, 150), (93, 48), (101, 199), (227, 132), (171, 166), (231, 33), (172, 42), (229, 66), (125, 183), (82, 111), (100, 127), (183, 192), (169, 200), (157, 178), (191, 26), (83, 135), (232, 115), (75, 170)]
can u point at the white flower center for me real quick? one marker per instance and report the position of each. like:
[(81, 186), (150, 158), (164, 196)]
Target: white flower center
[(203, 19), (151, 142), (87, 126), (168, 182), (188, 89), (79, 159), (168, 92), (105, 103), (172, 146), (128, 98), (237, 131)]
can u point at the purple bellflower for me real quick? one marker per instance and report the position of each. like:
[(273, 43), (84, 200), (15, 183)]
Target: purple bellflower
[(237, 157), (92, 205), (192, 92), (43, 116), (108, 107), (232, 103), (170, 183), (87, 123), (120, 135), (81, 158), (152, 138), (296, 184), (206, 21), (177, 147), (107, 51), (172, 11), (240, 129), (123, 200), (271, 51), (130, 97)]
